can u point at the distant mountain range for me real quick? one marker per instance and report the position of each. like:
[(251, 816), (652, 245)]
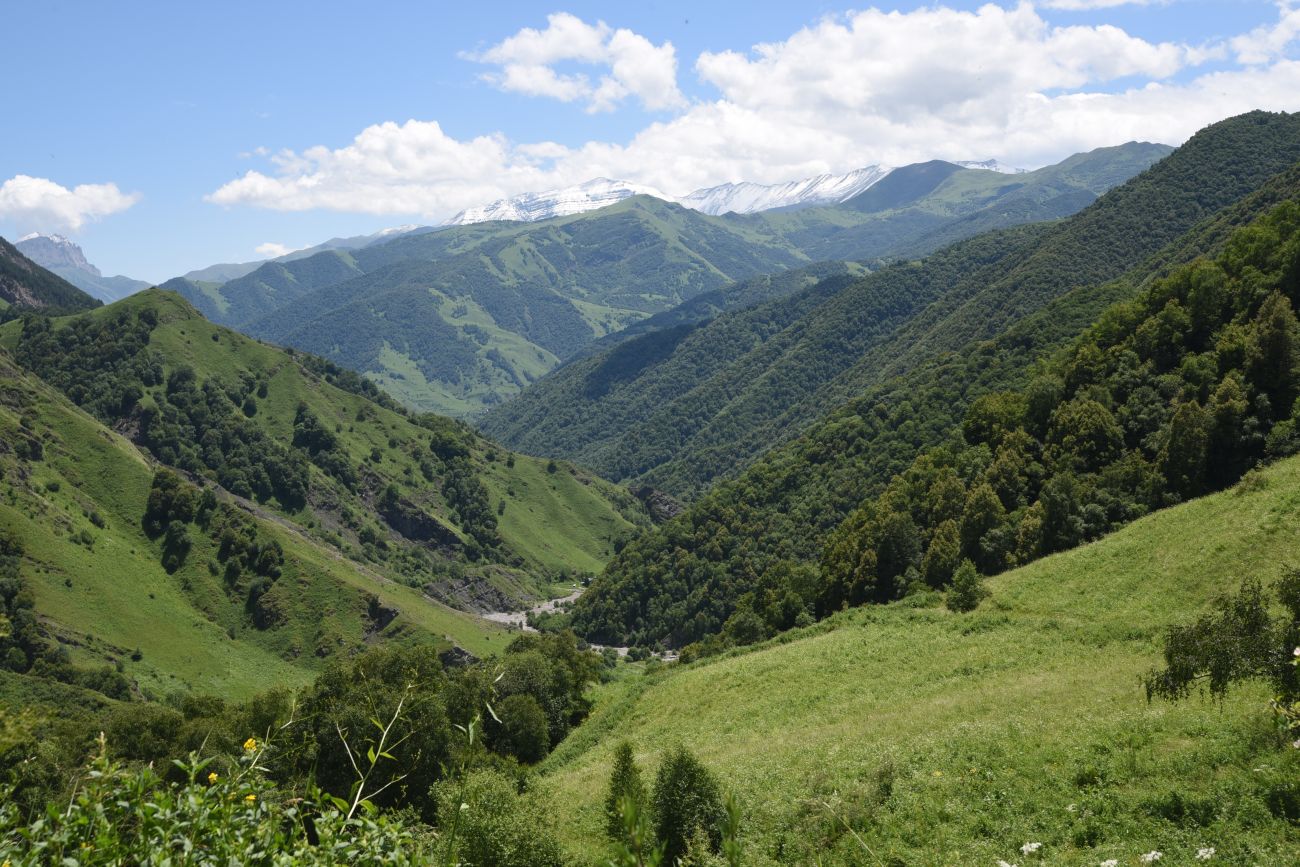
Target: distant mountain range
[(745, 197), (227, 271), (62, 256), (459, 318)]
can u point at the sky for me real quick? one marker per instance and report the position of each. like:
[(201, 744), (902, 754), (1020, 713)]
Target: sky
[(164, 137)]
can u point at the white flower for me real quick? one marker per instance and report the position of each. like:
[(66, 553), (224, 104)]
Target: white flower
[(1002, 863), (1110, 862), (1296, 743), (1296, 652), (1151, 857), (1071, 808), (1030, 848), (1205, 853)]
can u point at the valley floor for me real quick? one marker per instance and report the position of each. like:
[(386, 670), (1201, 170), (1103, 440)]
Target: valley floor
[(943, 738)]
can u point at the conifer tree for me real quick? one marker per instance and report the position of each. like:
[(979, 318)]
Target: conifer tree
[(624, 784), (967, 590)]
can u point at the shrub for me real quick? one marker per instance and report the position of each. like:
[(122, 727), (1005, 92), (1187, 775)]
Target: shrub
[(487, 823), (121, 816), (686, 800), (967, 590), (625, 785)]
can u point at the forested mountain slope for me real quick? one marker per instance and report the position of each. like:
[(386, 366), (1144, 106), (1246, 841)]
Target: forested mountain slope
[(92, 604), (1023, 721), (329, 516), (23, 283), (459, 318), (780, 511), (683, 421)]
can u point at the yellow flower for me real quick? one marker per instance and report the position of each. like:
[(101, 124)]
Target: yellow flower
[(250, 798), (212, 778), (938, 773), (250, 745)]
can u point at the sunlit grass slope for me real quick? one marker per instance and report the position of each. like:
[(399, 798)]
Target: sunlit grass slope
[(944, 738)]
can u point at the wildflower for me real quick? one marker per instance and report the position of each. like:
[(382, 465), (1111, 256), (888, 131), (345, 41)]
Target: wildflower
[(1151, 857), (250, 745), (212, 778), (938, 773), (1296, 743), (1205, 853), (1002, 863), (1110, 862), (1071, 808), (1296, 652), (250, 798), (1030, 848)]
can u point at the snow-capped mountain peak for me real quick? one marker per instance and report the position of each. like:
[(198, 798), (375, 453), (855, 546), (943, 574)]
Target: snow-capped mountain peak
[(991, 165), (528, 207), (744, 197), (747, 197), (55, 251)]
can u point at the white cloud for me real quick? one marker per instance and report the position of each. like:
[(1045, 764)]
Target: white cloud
[(1268, 42), (272, 250), (40, 203), (637, 67), (867, 87), (1084, 5)]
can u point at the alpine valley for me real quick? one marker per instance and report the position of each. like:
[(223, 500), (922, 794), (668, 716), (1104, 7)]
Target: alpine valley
[(933, 513)]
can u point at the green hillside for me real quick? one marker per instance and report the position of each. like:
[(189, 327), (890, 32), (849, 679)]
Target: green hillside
[(381, 519), (75, 494), (23, 283), (945, 738), (743, 534), (458, 319), (688, 417)]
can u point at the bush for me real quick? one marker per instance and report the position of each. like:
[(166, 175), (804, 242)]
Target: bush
[(625, 785), (968, 590), (490, 825), (686, 800), (120, 816)]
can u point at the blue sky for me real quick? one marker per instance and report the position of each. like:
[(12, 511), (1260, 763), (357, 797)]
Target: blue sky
[(175, 103)]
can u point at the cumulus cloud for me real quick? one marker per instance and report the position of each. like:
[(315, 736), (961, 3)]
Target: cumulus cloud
[(848, 91), (636, 66), (1084, 5), (272, 250), (40, 203), (1268, 42)]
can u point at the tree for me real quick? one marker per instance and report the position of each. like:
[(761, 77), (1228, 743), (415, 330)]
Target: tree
[(1275, 349), (967, 590), (624, 784), (686, 799), (1238, 641), (1183, 458), (1061, 524), (984, 513), (1083, 436), (523, 728), (943, 554)]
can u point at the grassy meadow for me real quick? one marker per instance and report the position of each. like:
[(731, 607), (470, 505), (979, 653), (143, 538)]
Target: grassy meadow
[(908, 734)]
